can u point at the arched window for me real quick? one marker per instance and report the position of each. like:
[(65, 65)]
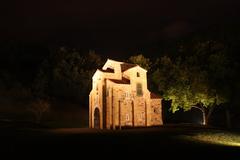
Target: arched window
[(96, 118)]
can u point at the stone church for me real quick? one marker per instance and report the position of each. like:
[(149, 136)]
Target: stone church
[(120, 98)]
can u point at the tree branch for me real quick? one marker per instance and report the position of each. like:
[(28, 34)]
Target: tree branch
[(201, 109)]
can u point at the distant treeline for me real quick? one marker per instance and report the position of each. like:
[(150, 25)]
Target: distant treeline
[(197, 73)]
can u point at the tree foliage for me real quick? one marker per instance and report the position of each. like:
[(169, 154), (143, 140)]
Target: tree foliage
[(194, 80), (141, 61), (67, 74)]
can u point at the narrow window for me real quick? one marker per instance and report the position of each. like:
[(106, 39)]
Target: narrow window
[(139, 89), (138, 74)]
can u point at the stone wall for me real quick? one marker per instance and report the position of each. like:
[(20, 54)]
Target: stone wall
[(156, 112), (121, 103)]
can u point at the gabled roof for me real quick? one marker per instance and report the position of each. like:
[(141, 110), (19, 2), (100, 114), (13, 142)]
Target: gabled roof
[(126, 66), (97, 72), (110, 61), (122, 81)]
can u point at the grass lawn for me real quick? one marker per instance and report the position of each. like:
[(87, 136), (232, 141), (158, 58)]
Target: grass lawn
[(183, 141)]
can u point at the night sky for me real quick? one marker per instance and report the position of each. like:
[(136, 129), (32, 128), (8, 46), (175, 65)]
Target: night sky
[(33, 31), (111, 25)]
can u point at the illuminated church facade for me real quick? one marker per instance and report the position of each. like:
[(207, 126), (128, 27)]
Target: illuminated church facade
[(120, 98)]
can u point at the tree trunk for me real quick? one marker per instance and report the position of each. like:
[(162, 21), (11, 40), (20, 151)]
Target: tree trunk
[(204, 116), (206, 113), (209, 113)]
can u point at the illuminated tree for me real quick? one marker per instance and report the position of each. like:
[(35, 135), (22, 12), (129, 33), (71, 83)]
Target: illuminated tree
[(194, 81)]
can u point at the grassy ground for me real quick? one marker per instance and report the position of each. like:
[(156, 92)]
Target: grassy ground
[(181, 141)]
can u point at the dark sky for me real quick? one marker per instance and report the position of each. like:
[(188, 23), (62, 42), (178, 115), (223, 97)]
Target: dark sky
[(109, 24)]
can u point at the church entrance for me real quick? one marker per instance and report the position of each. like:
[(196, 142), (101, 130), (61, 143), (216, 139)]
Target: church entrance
[(96, 118)]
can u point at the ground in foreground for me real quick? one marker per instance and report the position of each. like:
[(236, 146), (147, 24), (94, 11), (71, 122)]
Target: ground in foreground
[(166, 141)]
